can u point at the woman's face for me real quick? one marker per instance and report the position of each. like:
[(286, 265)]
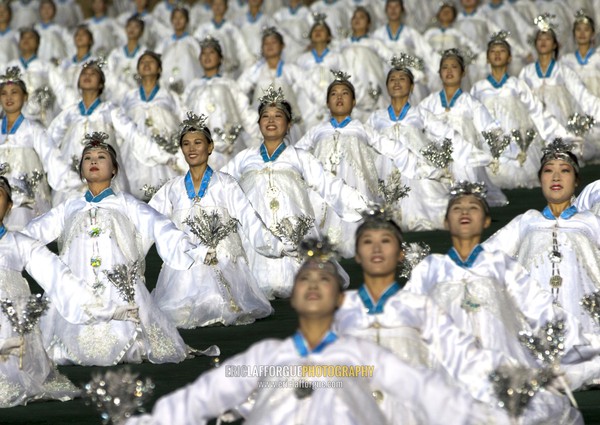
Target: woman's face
[(583, 33), (393, 10), (219, 7), (99, 7), (178, 21), (148, 67), (5, 204), (89, 79), (498, 55), (271, 47), (360, 22), (446, 16), (316, 292), (320, 34), (28, 43), (97, 166), (82, 38), (195, 148), (545, 43), (340, 101), (466, 217), (378, 251), (273, 124), (209, 59), (399, 85), (4, 14), (133, 30), (558, 181), (12, 98), (451, 72), (47, 12)]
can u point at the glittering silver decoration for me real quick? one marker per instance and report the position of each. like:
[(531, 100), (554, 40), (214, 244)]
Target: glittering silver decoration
[(464, 187), (26, 184), (303, 390), (12, 75), (229, 136), (581, 17), (374, 92), (377, 212), (548, 344), (522, 142), (319, 18), (339, 75), (515, 386), (465, 53), (591, 304), (392, 189), (499, 37), (99, 62), (176, 86), (4, 168), (124, 277), (117, 394), (75, 160), (44, 97), (404, 60), (580, 124), (438, 155), (497, 145), (294, 228), (414, 253), (210, 230), (96, 139), (544, 22), (169, 145), (150, 190), (272, 96), (318, 249)]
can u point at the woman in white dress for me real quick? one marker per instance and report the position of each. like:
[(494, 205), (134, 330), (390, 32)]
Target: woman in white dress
[(104, 238), (8, 37), (231, 121), (585, 61), (412, 394), (223, 289), (26, 155), (53, 36), (281, 182), (511, 102), (468, 118)]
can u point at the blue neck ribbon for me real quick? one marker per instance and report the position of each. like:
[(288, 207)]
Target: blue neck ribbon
[(403, 112), (95, 199), (279, 68), (276, 153), (217, 75), (6, 31), (98, 20), (302, 346), (497, 84), (15, 126), (319, 58), (179, 37), (152, 93), (368, 301), (294, 10), (585, 60), (355, 39), (396, 36), (342, 124), (253, 19), (189, 184), (2, 231), (468, 263), (26, 63), (566, 214), (216, 24), (538, 69), (90, 110), (444, 101), (84, 58), (131, 54)]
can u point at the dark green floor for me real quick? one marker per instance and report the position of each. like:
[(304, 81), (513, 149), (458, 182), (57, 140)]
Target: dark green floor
[(234, 339)]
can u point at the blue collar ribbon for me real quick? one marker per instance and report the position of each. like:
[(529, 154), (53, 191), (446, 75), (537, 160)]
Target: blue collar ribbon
[(468, 263), (6, 31), (279, 68), (355, 39), (403, 112), (189, 184), (129, 54), (152, 93), (302, 346), (217, 75), (497, 84), (585, 60), (15, 126), (496, 6), (84, 58), (265, 155), (179, 37), (26, 63), (566, 214), (252, 19), (452, 101), (2, 231), (368, 301), (98, 20), (538, 69), (90, 110), (319, 58), (216, 24), (294, 10), (342, 124), (396, 36), (95, 199), (168, 5)]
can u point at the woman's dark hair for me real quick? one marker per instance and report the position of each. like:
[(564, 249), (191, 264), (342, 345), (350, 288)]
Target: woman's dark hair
[(183, 10), (105, 147), (154, 56), (553, 34), (283, 106), (137, 20)]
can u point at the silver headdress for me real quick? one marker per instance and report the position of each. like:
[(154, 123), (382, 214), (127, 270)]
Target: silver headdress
[(267, 31), (464, 187), (500, 37), (384, 217), (12, 75), (582, 17), (320, 255), (96, 140), (558, 149), (465, 56), (210, 41), (99, 63), (340, 76), (544, 22), (193, 122), (404, 60), (272, 96), (319, 18)]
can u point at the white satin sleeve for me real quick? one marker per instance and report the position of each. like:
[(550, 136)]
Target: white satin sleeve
[(160, 201), (247, 81), (346, 201), (59, 125), (247, 114), (307, 142), (47, 227), (589, 103), (506, 239), (589, 197)]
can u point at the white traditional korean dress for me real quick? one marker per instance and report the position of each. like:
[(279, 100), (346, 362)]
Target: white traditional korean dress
[(411, 395), (121, 71), (180, 63), (279, 188), (586, 67), (31, 162), (225, 292), (97, 235)]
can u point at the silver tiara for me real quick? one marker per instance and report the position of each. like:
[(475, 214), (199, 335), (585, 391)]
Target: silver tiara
[(322, 250), (266, 31), (210, 41), (12, 75), (192, 122), (96, 140), (404, 61), (464, 54), (272, 96), (464, 187), (581, 17), (557, 147), (339, 75), (379, 212), (500, 37), (544, 22), (98, 62), (319, 18)]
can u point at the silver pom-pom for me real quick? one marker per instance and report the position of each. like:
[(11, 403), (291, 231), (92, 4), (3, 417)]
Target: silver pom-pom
[(26, 184), (4, 168), (497, 145), (591, 304), (44, 97), (464, 187), (124, 277), (414, 253), (438, 155), (229, 136), (169, 145), (548, 345), (294, 228), (392, 189), (580, 124), (210, 230), (117, 394), (374, 92)]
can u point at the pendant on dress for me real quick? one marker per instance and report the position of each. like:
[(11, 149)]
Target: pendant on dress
[(555, 282), (210, 107)]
